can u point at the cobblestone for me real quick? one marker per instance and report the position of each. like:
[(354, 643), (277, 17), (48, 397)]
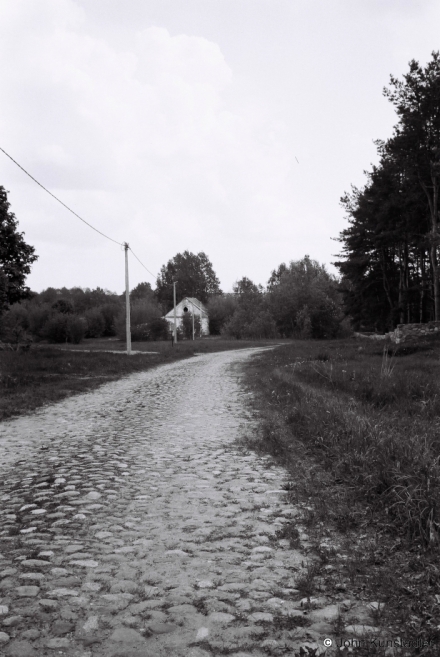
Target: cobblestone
[(147, 530)]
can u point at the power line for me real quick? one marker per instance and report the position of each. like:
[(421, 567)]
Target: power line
[(74, 213), (141, 263), (57, 199)]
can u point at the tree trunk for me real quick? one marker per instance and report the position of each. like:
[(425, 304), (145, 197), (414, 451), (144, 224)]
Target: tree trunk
[(433, 210), (422, 288), (385, 283), (401, 285)]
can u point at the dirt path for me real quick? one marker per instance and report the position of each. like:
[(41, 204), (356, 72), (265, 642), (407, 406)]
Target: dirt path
[(132, 526)]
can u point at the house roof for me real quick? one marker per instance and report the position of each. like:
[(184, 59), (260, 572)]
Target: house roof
[(188, 301)]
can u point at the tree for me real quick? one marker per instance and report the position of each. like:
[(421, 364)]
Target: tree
[(16, 257), (221, 307), (195, 277), (304, 300), (251, 318), (415, 144), (142, 292), (390, 249), (246, 287), (63, 306)]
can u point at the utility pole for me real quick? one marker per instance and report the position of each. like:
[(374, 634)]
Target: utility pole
[(193, 318), (175, 319), (127, 302)]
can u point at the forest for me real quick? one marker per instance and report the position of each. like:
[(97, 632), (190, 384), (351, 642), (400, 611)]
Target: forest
[(390, 249)]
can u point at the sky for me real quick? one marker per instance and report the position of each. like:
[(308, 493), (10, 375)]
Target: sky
[(231, 127)]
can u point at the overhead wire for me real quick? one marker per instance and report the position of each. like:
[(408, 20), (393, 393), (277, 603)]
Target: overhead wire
[(73, 212), (59, 201), (151, 274)]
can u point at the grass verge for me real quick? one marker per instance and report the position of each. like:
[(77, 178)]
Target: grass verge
[(358, 430), (47, 374)]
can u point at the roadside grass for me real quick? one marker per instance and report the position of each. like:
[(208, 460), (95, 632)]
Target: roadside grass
[(46, 374), (358, 430)]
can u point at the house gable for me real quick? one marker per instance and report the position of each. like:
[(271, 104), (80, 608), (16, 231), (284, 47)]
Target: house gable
[(192, 305)]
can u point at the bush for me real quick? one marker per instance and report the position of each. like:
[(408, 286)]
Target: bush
[(15, 324), (38, 318), (220, 310), (76, 328), (110, 312), (56, 329), (65, 328), (159, 329), (141, 314), (95, 323), (262, 326)]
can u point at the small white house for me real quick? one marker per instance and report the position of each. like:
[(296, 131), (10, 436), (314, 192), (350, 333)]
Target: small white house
[(193, 306)]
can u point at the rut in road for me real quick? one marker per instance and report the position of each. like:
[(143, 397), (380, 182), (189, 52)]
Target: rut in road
[(131, 525)]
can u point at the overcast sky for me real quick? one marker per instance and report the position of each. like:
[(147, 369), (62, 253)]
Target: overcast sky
[(231, 127)]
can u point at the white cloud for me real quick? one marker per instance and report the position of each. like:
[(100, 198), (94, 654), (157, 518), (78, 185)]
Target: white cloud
[(142, 142), (175, 126)]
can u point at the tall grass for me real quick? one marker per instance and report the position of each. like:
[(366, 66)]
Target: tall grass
[(372, 420)]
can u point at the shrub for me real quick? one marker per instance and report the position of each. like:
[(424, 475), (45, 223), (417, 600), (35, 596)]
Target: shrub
[(56, 328), (95, 323), (110, 312), (141, 314), (15, 324), (159, 329), (76, 329), (140, 332), (262, 326), (220, 310), (38, 318)]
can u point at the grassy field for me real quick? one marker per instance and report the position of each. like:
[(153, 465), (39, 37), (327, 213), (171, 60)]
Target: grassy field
[(358, 429), (47, 374)]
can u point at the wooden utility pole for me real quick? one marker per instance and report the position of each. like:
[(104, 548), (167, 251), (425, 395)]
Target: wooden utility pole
[(175, 318), (127, 302)]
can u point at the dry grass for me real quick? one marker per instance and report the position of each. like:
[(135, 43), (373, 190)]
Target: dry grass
[(359, 431)]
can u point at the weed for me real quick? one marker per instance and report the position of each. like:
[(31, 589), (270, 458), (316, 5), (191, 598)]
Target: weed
[(290, 532), (200, 605), (388, 363), (359, 438), (106, 623), (282, 622), (305, 583), (106, 585)]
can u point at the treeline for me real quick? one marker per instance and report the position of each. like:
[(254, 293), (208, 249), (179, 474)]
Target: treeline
[(70, 315), (391, 246), (300, 300)]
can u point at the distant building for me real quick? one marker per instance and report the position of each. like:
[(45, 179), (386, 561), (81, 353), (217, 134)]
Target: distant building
[(189, 305)]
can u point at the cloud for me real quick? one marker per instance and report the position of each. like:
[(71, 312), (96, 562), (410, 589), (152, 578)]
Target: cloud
[(145, 142)]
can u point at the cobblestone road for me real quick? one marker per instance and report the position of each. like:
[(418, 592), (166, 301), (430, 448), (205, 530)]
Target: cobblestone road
[(131, 526)]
